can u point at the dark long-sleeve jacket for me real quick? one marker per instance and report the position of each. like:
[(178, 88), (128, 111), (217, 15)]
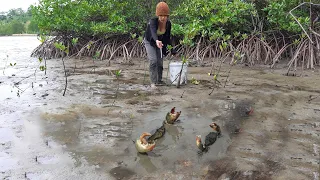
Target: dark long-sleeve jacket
[(151, 34)]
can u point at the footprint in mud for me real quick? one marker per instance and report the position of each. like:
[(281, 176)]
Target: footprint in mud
[(237, 113)]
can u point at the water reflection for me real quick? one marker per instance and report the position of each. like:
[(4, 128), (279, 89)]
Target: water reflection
[(145, 162), (175, 131)]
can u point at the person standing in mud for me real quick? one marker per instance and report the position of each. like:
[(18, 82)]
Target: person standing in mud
[(156, 39)]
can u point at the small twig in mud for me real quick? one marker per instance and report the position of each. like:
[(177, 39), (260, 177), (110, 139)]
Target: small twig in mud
[(16, 84), (227, 78), (131, 119), (118, 73), (65, 74), (63, 49), (179, 77), (4, 68), (94, 58), (182, 93), (211, 91), (184, 61), (34, 74), (215, 75), (75, 66), (45, 65), (235, 58), (215, 85), (212, 67), (312, 98), (80, 124), (20, 91)]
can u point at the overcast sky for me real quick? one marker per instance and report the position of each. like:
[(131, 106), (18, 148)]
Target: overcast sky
[(6, 5)]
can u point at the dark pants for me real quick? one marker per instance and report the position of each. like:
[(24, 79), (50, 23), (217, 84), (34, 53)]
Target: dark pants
[(156, 62)]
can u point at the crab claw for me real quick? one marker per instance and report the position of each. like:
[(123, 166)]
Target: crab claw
[(145, 134), (199, 143), (151, 146), (198, 138), (142, 144), (172, 110), (142, 137), (172, 116), (216, 127), (213, 125), (249, 111)]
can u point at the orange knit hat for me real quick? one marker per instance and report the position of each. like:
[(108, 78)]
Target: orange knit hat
[(162, 9)]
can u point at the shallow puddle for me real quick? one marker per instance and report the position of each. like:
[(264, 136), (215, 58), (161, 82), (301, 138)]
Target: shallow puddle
[(98, 138)]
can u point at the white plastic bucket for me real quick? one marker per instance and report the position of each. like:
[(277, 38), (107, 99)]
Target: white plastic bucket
[(174, 69)]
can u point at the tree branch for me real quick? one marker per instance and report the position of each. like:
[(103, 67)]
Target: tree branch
[(290, 12)]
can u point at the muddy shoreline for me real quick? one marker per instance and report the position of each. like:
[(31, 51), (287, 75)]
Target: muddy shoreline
[(44, 135)]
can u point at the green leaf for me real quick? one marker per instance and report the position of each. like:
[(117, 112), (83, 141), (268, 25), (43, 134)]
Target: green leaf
[(221, 48), (215, 77), (184, 59), (42, 68), (118, 73), (74, 41)]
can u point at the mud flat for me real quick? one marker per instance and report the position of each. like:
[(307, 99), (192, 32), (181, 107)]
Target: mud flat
[(88, 133)]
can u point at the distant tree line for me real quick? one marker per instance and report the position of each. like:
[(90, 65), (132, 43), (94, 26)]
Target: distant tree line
[(17, 21)]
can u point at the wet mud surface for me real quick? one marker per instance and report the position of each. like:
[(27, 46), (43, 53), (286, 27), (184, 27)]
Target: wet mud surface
[(89, 133)]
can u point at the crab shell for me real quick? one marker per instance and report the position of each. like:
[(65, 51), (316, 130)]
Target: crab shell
[(213, 126), (175, 116), (198, 140), (142, 145), (172, 117), (143, 148)]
